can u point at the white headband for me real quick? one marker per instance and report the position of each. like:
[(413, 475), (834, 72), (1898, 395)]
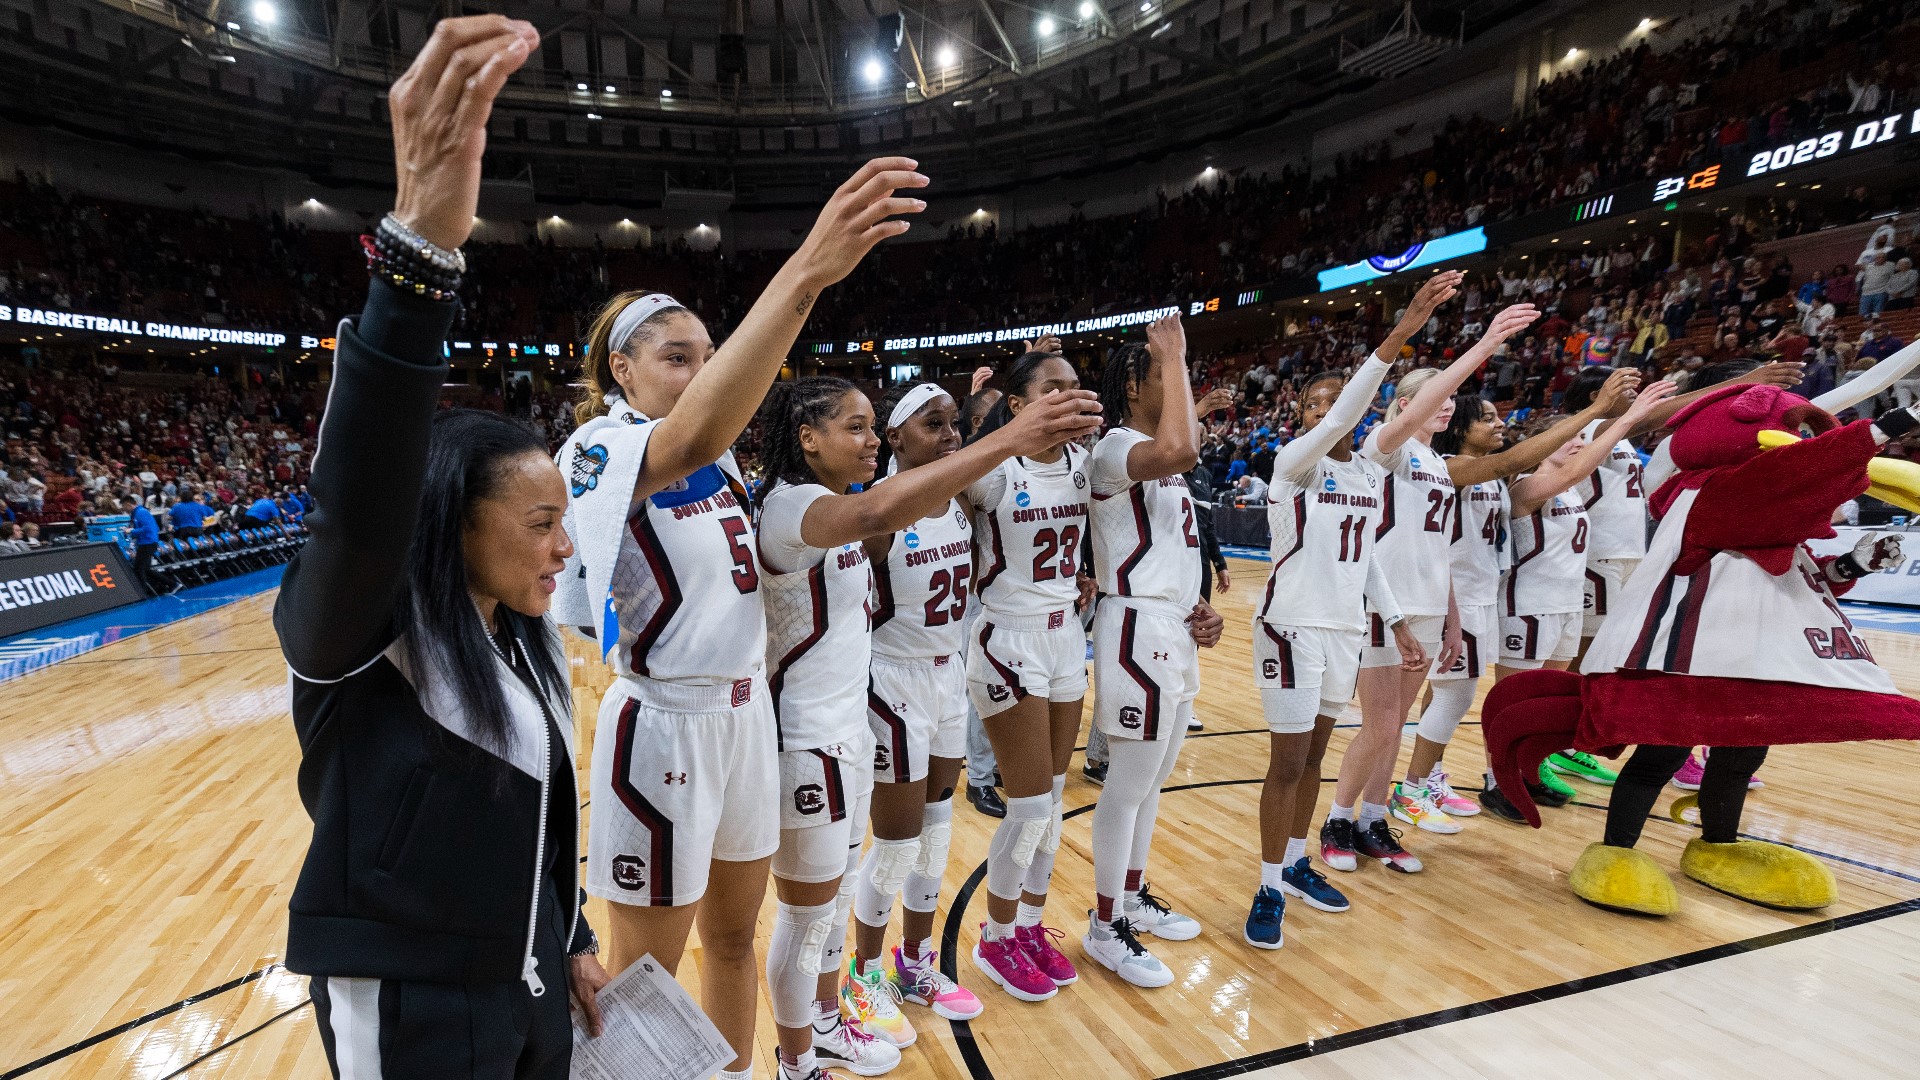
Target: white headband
[(912, 402), (633, 315)]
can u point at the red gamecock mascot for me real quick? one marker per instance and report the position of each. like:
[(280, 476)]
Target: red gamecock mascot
[(1728, 636)]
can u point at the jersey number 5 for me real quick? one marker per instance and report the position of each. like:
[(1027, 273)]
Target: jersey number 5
[(746, 576), (1056, 554)]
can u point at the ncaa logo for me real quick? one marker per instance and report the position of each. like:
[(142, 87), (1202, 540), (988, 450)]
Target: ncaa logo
[(913, 541), (630, 872), (807, 799), (1022, 499), (1413, 460), (1328, 484), (1129, 717)]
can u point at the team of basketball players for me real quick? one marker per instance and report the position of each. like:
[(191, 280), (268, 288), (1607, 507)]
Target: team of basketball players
[(799, 662)]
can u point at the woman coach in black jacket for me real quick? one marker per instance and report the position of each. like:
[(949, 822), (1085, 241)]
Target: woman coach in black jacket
[(438, 911)]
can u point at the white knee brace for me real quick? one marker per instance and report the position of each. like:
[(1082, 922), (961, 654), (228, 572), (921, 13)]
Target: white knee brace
[(1051, 843), (793, 960), (934, 842), (888, 863), (1016, 841)]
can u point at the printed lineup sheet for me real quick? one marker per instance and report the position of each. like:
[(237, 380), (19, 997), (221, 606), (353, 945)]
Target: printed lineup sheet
[(652, 1029)]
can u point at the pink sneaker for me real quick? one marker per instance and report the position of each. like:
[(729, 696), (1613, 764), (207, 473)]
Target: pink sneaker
[(1007, 964), (1037, 941), (1688, 777), (1450, 801), (921, 982)]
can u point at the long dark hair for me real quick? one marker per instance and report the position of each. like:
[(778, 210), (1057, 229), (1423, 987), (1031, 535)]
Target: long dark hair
[(1467, 408), (1581, 391), (810, 401), (1125, 365), (1020, 379), (466, 456)]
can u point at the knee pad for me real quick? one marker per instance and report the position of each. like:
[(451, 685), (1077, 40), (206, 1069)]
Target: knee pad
[(843, 901), (1050, 843), (935, 839), (891, 862), (1027, 819), (793, 960)]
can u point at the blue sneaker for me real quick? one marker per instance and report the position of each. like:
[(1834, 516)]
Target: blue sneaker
[(1303, 881), (1263, 922)]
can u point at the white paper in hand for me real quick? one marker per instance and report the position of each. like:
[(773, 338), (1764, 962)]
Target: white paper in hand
[(650, 1028)]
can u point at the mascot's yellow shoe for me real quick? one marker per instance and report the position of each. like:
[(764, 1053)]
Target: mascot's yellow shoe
[(1772, 875), (1624, 880)]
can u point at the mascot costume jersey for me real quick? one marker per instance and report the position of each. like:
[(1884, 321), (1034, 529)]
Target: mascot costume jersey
[(1728, 635)]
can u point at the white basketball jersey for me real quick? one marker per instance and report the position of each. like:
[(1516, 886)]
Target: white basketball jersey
[(920, 592), (1146, 543), (1731, 619), (1479, 542), (1322, 535), (686, 584), (1031, 520), (818, 647), (1616, 503), (1548, 571), (1415, 524)]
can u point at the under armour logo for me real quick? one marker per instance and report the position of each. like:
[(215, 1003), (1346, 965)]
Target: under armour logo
[(676, 778), (1019, 485), (1159, 656)]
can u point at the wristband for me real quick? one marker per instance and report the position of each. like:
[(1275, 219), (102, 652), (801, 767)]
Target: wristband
[(1846, 567)]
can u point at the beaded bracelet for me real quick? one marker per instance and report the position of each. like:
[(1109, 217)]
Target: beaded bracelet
[(407, 277)]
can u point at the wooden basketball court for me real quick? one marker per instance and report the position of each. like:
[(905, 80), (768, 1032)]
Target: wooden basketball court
[(150, 835)]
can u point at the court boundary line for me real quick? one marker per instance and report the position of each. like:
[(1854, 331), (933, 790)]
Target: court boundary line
[(967, 1045), (138, 1021)]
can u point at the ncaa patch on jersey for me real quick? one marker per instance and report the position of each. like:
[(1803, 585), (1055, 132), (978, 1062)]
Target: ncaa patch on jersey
[(1022, 499), (912, 540), (1328, 484)]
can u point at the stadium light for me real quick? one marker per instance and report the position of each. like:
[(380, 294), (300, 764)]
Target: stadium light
[(1086, 9), (233, 26), (910, 84), (665, 93), (264, 13), (1571, 53), (946, 57), (872, 71), (580, 86), (1146, 5), (1046, 25), (1645, 25), (611, 90), (593, 116)]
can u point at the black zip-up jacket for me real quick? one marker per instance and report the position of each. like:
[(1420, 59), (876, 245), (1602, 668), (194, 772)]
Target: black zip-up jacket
[(422, 862)]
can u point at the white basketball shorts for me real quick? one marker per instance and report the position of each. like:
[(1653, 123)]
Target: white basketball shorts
[(1529, 641), (917, 710), (1479, 643), (1010, 659), (1146, 670), (1380, 650), (1303, 672)]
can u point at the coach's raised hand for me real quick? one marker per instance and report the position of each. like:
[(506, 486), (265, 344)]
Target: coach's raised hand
[(440, 108)]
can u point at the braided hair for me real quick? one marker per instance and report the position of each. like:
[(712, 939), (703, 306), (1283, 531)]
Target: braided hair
[(1020, 379), (1126, 365), (810, 401), (1306, 388)]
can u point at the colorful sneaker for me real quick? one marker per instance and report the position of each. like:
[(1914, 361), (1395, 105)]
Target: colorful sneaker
[(1312, 886), (875, 1004), (1377, 841), (1263, 922), (1583, 765), (1415, 806), (1007, 964), (1336, 845), (1754, 781), (1119, 951), (920, 982), (1038, 943), (1552, 782), (1689, 774), (847, 1046), (1450, 802), (1151, 915)]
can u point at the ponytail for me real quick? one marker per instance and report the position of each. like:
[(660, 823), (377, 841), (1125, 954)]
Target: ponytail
[(809, 401), (597, 379)]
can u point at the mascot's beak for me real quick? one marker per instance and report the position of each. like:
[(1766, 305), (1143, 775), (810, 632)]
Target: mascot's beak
[(1890, 480)]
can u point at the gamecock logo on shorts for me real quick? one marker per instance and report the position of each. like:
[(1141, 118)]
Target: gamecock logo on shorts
[(1516, 644), (997, 693), (1129, 717), (630, 872), (807, 799), (882, 758)]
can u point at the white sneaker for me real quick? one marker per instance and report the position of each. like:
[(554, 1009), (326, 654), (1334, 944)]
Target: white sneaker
[(848, 1047), (1194, 724), (1415, 806), (1120, 952), (1150, 915)]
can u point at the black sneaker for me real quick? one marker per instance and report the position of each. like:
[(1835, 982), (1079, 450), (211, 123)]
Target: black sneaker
[(987, 801), (1546, 796), (1495, 802), (1377, 841), (1336, 844), (1095, 771)]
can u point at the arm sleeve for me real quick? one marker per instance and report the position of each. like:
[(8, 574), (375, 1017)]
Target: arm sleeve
[(1379, 593), (1109, 464), (1297, 460), (781, 547), (335, 608)]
